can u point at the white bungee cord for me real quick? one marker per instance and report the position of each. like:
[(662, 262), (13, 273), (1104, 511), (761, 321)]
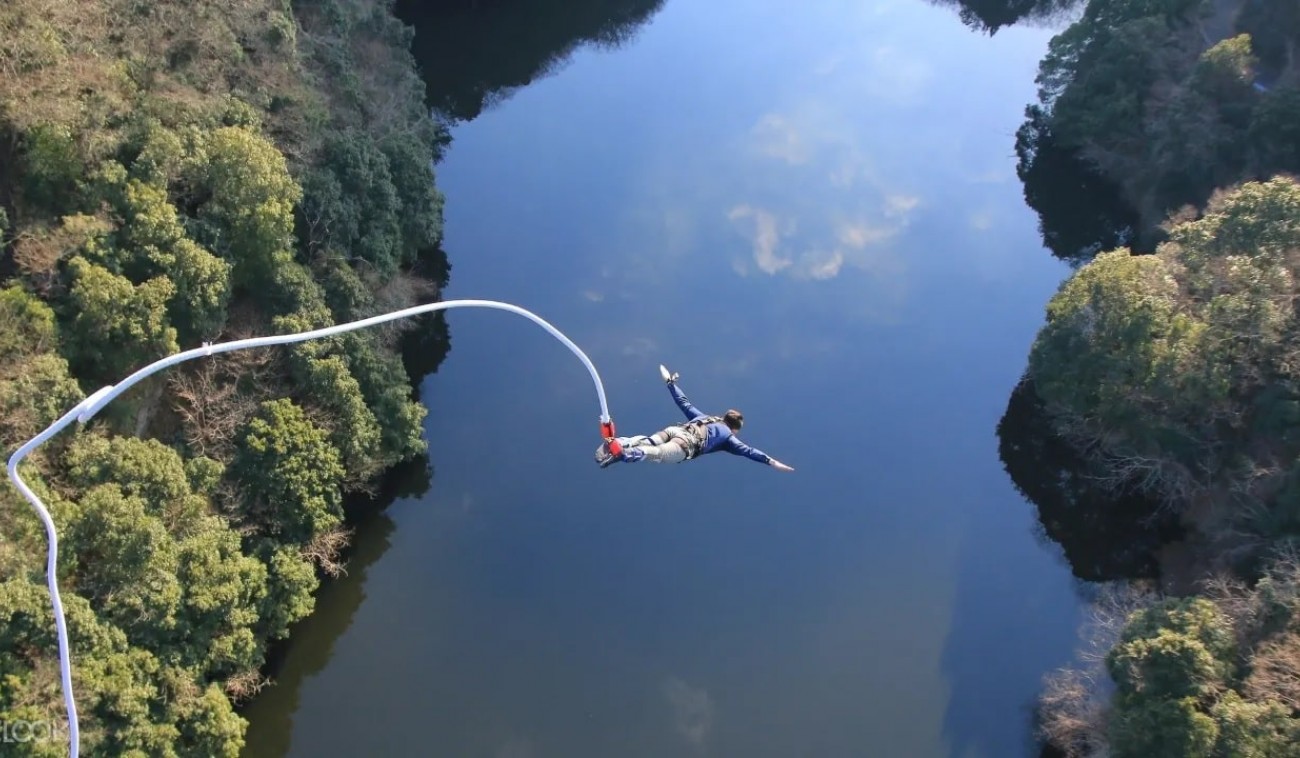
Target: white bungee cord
[(88, 407)]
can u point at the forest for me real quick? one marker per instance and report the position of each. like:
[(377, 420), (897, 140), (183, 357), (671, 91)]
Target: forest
[(174, 173), (1156, 424)]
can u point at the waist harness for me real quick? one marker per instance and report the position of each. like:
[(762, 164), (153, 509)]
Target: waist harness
[(696, 434)]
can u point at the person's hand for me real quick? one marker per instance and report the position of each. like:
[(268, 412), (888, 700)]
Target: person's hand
[(668, 378), (779, 466)]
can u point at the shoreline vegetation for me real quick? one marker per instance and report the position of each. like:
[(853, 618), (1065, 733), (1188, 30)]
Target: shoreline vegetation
[(173, 173), (1156, 426)]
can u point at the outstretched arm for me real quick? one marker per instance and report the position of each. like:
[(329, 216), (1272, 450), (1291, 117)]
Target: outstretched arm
[(735, 446), (691, 411)]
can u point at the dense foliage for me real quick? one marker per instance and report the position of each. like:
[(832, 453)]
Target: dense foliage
[(1134, 92), (173, 173), (1175, 374)]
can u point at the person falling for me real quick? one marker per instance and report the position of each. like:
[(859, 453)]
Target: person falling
[(700, 435)]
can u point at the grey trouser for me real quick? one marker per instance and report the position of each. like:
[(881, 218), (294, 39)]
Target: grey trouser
[(667, 446)]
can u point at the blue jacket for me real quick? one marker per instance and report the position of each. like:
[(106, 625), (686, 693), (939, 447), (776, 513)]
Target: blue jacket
[(718, 435)]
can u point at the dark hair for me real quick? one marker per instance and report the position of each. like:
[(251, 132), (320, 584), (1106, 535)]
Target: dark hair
[(734, 419)]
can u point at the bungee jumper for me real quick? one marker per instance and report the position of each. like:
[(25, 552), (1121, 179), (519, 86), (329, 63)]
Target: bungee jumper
[(700, 435)]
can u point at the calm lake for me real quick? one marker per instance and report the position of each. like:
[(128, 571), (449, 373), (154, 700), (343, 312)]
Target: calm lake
[(812, 213)]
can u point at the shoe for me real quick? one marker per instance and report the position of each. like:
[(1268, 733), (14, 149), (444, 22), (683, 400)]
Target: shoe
[(668, 378), (603, 455)]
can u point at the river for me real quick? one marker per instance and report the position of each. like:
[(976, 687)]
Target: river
[(812, 213)]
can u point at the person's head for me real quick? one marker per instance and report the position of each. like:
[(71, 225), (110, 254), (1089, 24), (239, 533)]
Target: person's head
[(734, 419)]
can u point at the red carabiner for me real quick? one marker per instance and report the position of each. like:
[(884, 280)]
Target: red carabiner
[(607, 431)]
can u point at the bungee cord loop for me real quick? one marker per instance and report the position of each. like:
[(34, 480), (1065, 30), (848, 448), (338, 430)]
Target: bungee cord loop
[(93, 404)]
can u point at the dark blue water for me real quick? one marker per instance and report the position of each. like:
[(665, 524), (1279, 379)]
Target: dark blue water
[(812, 214)]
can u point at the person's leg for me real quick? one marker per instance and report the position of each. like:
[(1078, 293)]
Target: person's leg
[(673, 451), (667, 434), (665, 446), (658, 438)]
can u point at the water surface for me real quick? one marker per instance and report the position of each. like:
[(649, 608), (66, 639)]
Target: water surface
[(812, 213)]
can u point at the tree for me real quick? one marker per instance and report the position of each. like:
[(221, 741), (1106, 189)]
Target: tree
[(202, 290), (1181, 366), (208, 725), (352, 206), (355, 431), (291, 472), (27, 325), (117, 326), (51, 165), (250, 202), (1249, 729), (410, 161), (1080, 211), (1274, 132), (126, 562), (35, 388), (993, 15), (1143, 728), (1171, 660), (222, 604), (1105, 533), (146, 469), (384, 383), (1175, 648), (1116, 344), (34, 393), (291, 584)]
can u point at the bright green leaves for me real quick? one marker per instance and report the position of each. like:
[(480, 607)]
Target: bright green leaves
[(1255, 729), (142, 468), (1257, 219), (27, 325), (1174, 666), (35, 387), (1174, 650), (126, 562), (224, 592), (118, 326), (292, 473), (291, 585), (166, 571), (1226, 72), (1116, 346), (1170, 660), (251, 200), (1163, 357)]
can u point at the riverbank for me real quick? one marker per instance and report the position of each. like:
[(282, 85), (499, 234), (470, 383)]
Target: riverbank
[(1170, 374), (177, 173)]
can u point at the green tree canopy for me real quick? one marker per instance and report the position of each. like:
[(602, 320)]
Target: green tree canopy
[(250, 201), (118, 327), (291, 472), (1184, 358)]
